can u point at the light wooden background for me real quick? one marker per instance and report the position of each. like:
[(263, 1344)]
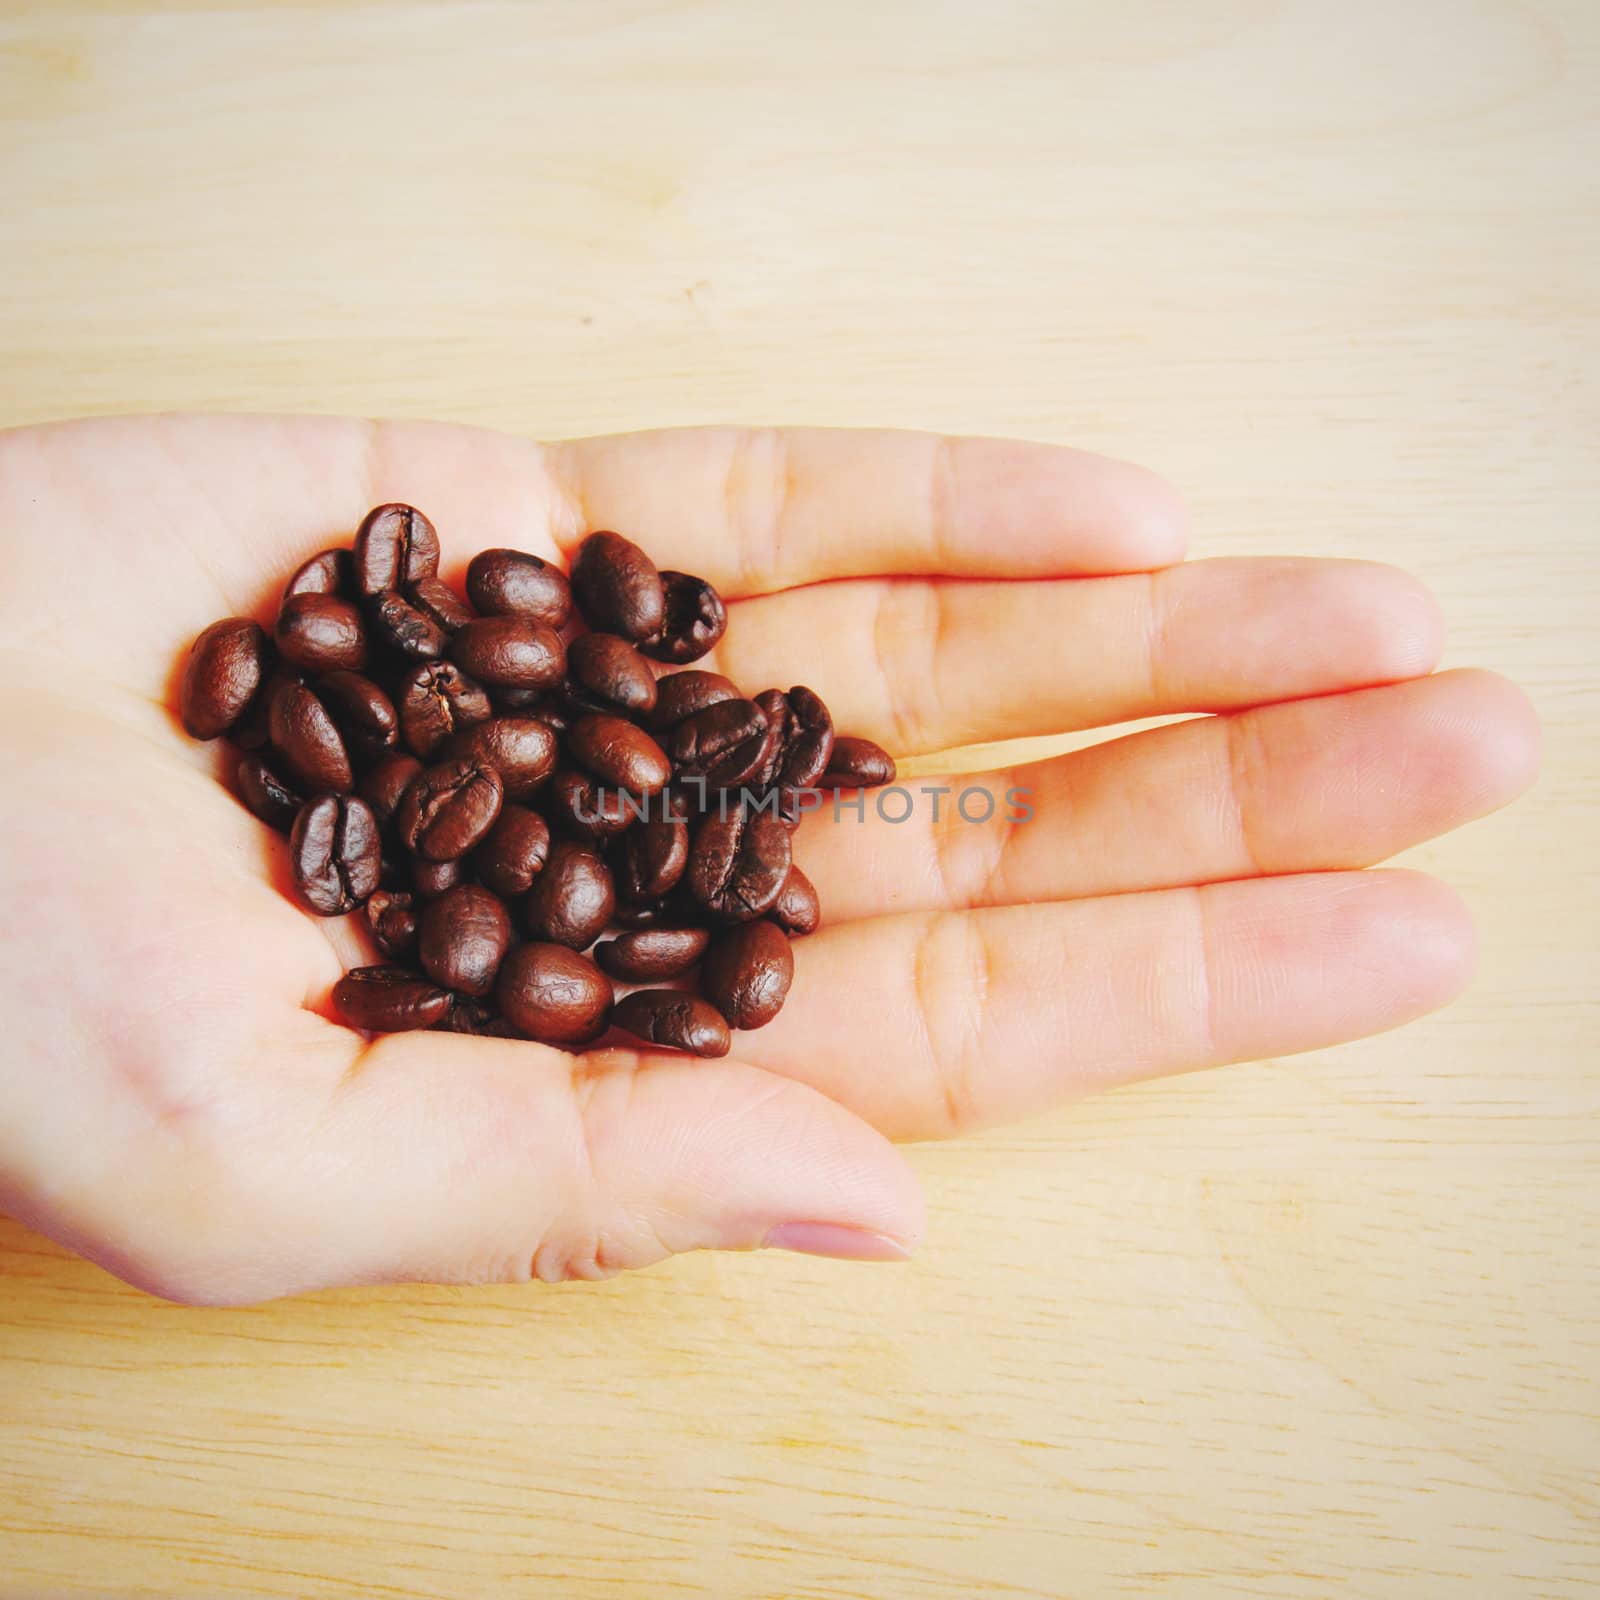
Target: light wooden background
[(1312, 1328)]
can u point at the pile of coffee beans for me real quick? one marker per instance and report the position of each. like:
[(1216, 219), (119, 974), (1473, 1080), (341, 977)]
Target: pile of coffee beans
[(498, 782)]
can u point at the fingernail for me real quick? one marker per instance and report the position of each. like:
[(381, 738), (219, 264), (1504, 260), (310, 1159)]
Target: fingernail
[(832, 1239)]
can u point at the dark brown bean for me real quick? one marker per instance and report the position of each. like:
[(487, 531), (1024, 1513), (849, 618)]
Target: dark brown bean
[(334, 853), (267, 795), (808, 740), (502, 582), (617, 587), (774, 704), (651, 954), (521, 749), (571, 901), (307, 740), (553, 994), (392, 922), (327, 572), (510, 652), (513, 852), (462, 937), (384, 785), (719, 743), (478, 1017), (440, 603), (578, 804), (362, 712), (389, 1000), (225, 670), (747, 972), (405, 629), (437, 699), (653, 857), (695, 619), (606, 673), (797, 910), (674, 1020), (395, 546), (430, 879), (448, 808), (620, 755), (321, 633), (738, 862), (253, 730), (681, 694), (856, 764)]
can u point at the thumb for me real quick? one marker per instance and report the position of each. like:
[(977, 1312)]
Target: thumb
[(449, 1158)]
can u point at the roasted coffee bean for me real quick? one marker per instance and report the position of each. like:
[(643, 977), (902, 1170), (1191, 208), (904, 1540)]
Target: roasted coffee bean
[(436, 700), (738, 862), (518, 699), (747, 972), (384, 785), (225, 670), (808, 740), (440, 603), (430, 879), (856, 764), (579, 804), (724, 738), (521, 749), (321, 633), (308, 741), (651, 954), (267, 795), (797, 910), (654, 854), (253, 730), (675, 1020), (774, 706), (362, 712), (392, 921), (389, 1000), (571, 901), (395, 546), (555, 718), (681, 694), (462, 937), (334, 853), (503, 582), (510, 652), (478, 1017), (618, 588), (406, 629), (449, 808), (513, 852), (605, 673), (553, 994), (328, 572), (620, 755), (695, 619)]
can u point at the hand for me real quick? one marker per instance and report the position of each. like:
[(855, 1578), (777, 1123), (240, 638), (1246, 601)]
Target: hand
[(177, 1103)]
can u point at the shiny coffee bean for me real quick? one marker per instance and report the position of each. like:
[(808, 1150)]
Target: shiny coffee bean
[(555, 718), (510, 652), (577, 803), (513, 852), (681, 694), (738, 862), (334, 853), (327, 572), (651, 954), (727, 737), (267, 795), (437, 601), (653, 856), (507, 582), (808, 740), (856, 764), (404, 629), (362, 712), (307, 741), (481, 1018), (253, 731), (695, 619), (553, 994), (321, 633), (224, 672), (618, 588), (606, 673), (430, 879), (448, 809), (797, 910), (774, 706), (392, 922), (384, 785), (674, 1020), (462, 937), (436, 700), (619, 755), (571, 901), (389, 1000), (395, 546), (522, 749), (747, 972)]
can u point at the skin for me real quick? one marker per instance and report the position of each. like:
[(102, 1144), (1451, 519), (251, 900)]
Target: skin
[(177, 1102)]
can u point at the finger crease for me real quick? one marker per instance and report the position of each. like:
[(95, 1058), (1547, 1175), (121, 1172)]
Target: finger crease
[(1239, 740)]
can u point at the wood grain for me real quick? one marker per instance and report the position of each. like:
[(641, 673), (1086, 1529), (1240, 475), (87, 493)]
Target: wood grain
[(1324, 1326)]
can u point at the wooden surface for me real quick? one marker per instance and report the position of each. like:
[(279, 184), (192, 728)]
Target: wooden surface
[(1326, 1326)]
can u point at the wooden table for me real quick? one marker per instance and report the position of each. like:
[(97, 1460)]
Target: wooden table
[(1325, 1326)]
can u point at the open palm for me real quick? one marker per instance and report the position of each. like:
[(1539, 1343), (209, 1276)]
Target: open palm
[(177, 1102)]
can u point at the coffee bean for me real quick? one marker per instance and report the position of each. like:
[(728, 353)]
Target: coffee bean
[(650, 954), (389, 1000), (223, 674), (681, 694), (462, 937), (808, 741), (856, 764), (510, 652), (618, 588), (695, 619), (480, 1018), (555, 718), (653, 857), (513, 852), (253, 731), (738, 862), (395, 546), (521, 749), (517, 700), (502, 582), (571, 901), (797, 909), (449, 808), (620, 755), (307, 740), (720, 742), (675, 1020), (605, 673), (747, 972), (392, 922), (774, 706), (362, 712), (430, 879), (579, 804), (553, 994), (267, 795), (384, 785), (321, 633), (334, 853), (437, 601), (405, 629), (436, 700)]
